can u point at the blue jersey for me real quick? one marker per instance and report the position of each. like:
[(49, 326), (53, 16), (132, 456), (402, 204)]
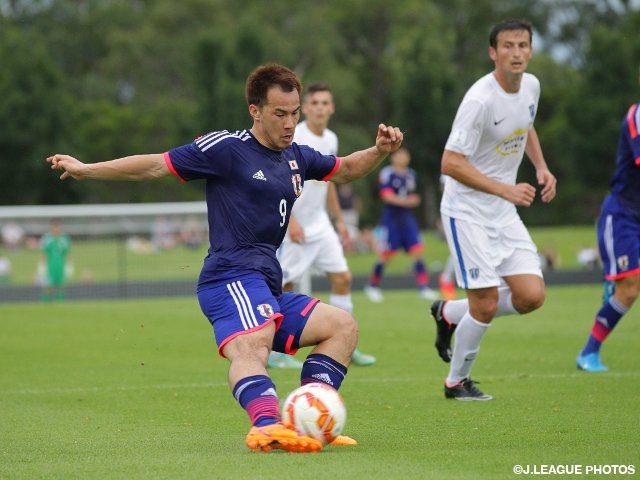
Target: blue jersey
[(402, 185), (250, 190), (625, 183)]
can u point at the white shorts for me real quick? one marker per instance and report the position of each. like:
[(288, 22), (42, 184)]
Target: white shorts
[(484, 255), (324, 254)]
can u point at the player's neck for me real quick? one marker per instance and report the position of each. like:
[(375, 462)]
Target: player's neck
[(263, 140), (317, 128), (509, 83)]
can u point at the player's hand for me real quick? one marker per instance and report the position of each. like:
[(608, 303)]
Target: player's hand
[(343, 231), (295, 231), (548, 182), (70, 166), (389, 139), (521, 194), (413, 200)]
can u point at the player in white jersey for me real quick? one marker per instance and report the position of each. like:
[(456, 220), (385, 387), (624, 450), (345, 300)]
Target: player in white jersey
[(311, 241), (496, 262)]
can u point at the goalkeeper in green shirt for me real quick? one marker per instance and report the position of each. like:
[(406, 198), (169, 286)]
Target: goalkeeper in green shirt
[(55, 246)]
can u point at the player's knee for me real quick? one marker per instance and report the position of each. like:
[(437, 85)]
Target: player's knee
[(346, 326), (341, 281), (484, 311), (530, 302), (627, 291)]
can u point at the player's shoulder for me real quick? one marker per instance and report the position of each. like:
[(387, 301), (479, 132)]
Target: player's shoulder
[(221, 139), (385, 173), (481, 92), (330, 134), (529, 80), (301, 132)]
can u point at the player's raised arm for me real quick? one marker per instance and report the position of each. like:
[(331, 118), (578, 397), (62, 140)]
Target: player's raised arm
[(360, 163), (134, 168)]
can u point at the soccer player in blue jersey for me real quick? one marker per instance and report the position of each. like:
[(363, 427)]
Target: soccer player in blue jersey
[(618, 241), (252, 178), (397, 185)]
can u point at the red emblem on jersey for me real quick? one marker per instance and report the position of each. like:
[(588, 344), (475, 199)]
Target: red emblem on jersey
[(293, 165), (297, 184)]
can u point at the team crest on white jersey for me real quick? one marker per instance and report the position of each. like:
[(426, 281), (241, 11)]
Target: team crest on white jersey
[(293, 165), (265, 310), (297, 184)]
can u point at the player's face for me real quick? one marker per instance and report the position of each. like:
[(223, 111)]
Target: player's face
[(275, 122), (400, 160), (318, 108), (513, 52)]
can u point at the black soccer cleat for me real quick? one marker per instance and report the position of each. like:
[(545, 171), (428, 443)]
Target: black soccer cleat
[(444, 331), (465, 390)]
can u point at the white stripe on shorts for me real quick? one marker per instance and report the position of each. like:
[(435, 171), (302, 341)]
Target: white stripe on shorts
[(243, 304)]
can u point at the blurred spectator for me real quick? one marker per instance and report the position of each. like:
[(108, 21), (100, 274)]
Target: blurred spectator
[(367, 241), (162, 234), (5, 270), (192, 234), (548, 258), (351, 205), (12, 236), (588, 258)]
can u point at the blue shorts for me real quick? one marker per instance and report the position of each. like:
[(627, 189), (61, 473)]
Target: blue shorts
[(246, 304), (397, 235), (618, 240)]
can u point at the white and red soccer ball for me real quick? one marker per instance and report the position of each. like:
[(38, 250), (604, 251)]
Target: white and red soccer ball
[(315, 410)]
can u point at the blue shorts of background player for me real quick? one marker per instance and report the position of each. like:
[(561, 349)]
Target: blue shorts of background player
[(246, 303), (618, 240), (405, 235)]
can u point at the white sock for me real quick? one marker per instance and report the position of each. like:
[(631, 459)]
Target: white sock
[(454, 310), (341, 301), (465, 348), (505, 306)]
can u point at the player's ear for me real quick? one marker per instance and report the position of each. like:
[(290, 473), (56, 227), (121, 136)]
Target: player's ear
[(254, 111), (492, 53)]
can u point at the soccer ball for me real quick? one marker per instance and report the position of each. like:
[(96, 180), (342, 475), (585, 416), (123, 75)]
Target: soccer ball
[(315, 410)]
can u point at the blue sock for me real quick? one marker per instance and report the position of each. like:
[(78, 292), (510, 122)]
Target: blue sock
[(420, 271), (257, 395), (607, 318), (376, 275), (320, 368)]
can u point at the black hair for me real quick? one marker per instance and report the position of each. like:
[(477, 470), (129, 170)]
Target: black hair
[(509, 25)]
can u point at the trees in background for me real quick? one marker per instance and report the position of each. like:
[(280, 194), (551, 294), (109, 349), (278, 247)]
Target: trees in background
[(101, 79)]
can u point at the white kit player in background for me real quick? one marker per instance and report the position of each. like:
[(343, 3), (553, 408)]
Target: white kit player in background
[(312, 242), (496, 262)]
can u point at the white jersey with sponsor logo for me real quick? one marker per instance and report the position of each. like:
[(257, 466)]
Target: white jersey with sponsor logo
[(490, 129), (310, 209)]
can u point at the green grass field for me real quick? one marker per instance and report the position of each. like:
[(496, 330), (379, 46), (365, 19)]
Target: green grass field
[(135, 389)]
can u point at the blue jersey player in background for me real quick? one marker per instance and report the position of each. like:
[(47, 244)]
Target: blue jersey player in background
[(397, 186), (252, 178), (618, 241)]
